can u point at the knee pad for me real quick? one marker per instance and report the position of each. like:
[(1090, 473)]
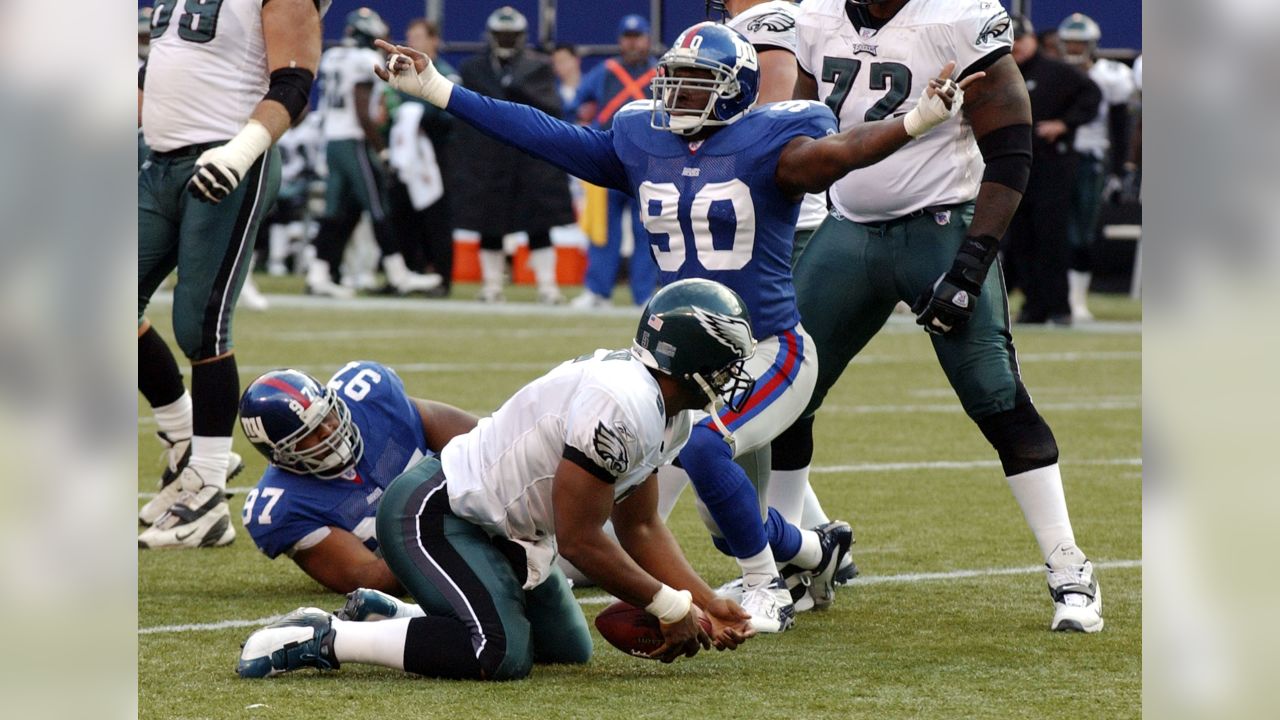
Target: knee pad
[(793, 449), (1021, 437)]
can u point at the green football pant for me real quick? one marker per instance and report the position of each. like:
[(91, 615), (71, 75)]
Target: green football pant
[(455, 570), (209, 245), (851, 275)]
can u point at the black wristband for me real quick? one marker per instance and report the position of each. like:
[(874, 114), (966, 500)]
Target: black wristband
[(972, 262), (291, 87), (1007, 152)]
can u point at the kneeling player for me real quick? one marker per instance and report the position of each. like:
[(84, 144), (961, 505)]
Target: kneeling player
[(473, 535), (334, 449)]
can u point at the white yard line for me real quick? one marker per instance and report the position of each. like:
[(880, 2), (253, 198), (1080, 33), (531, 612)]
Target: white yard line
[(865, 467), (906, 578)]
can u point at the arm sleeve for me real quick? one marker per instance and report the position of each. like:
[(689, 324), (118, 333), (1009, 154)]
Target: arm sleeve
[(582, 152), (599, 436), (982, 35)]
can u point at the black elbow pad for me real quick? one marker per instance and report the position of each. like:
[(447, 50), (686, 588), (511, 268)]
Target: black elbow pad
[(1007, 152), (291, 87)]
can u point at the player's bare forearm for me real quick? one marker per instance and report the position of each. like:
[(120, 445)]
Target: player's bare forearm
[(807, 165), (342, 563), (777, 75), (994, 209), (1000, 101), (442, 422), (582, 504), (291, 30), (806, 87), (649, 541)]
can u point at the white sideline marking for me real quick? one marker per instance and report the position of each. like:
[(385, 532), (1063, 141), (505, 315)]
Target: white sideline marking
[(606, 599), (862, 467)]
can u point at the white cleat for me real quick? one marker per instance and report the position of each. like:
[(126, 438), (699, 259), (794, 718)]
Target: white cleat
[(770, 606), (412, 282), (198, 519), (303, 638), (170, 490), (251, 297), (329, 288), (550, 296), (589, 301), (1077, 599)]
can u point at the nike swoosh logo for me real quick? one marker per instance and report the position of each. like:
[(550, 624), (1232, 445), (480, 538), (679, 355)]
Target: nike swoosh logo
[(182, 538)]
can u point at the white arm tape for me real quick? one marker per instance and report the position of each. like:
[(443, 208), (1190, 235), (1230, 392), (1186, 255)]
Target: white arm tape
[(670, 605)]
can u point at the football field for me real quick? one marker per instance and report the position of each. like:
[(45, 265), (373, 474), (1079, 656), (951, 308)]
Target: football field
[(948, 619)]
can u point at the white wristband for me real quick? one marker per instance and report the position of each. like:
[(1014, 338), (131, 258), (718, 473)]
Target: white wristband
[(670, 605), (247, 146)]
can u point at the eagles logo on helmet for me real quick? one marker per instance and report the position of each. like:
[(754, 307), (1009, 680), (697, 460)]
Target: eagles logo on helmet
[(702, 335)]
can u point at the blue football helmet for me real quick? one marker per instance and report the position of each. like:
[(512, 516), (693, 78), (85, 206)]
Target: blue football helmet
[(731, 90), (282, 407)]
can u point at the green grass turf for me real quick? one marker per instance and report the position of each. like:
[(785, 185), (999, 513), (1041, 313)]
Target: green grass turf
[(892, 646)]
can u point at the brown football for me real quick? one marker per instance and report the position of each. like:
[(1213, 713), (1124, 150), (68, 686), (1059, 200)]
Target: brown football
[(632, 630)]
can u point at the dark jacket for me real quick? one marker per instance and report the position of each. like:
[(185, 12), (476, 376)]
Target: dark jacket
[(1059, 92), (496, 188)]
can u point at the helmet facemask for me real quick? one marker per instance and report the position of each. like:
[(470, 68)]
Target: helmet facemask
[(333, 455), (669, 89)]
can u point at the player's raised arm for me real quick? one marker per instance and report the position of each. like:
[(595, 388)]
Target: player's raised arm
[(582, 152), (809, 165)]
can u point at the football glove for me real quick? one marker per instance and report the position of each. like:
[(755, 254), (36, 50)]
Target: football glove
[(945, 306), (219, 170), (948, 303)]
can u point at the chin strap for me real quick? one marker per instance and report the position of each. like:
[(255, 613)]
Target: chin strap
[(714, 408)]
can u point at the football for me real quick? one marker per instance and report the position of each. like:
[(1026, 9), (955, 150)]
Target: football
[(632, 630)]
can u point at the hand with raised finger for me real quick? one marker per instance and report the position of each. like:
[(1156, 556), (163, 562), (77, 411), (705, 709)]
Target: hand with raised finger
[(939, 102), (412, 72)]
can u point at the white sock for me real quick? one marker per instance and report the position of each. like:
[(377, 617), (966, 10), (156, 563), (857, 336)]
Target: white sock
[(810, 551), (209, 456), (787, 492), (375, 643), (543, 263), (813, 515), (174, 419), (1039, 494), (492, 267), (318, 273), (671, 484), (761, 563)]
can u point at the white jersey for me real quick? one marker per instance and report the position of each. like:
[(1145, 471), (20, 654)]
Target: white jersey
[(206, 72), (1116, 82), (768, 26), (603, 412), (341, 69), (869, 74)]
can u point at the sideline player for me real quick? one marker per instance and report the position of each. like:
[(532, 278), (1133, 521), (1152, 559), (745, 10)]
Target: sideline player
[(923, 227), (720, 185), (473, 535), (334, 448), (224, 81)]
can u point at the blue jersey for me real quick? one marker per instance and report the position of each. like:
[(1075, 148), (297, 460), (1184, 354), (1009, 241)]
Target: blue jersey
[(286, 509), (712, 209)]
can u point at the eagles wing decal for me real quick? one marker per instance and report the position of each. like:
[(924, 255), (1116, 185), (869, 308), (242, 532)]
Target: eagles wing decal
[(731, 332), (775, 21), (996, 28), (611, 446)]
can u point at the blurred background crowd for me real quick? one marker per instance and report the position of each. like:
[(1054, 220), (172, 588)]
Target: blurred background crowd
[(383, 194)]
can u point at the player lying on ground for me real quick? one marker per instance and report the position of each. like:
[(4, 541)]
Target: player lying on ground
[(473, 535), (334, 449), (720, 185)]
